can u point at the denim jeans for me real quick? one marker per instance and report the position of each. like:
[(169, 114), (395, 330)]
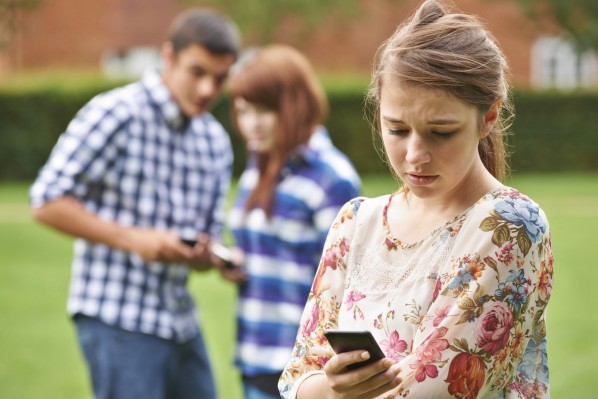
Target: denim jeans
[(130, 365), (261, 386), (252, 392)]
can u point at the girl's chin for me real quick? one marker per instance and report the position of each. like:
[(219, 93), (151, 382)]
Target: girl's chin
[(256, 148)]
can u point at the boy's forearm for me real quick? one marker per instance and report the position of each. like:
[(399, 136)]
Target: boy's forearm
[(68, 215)]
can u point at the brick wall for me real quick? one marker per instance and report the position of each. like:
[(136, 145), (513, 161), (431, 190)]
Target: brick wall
[(355, 45), (76, 33)]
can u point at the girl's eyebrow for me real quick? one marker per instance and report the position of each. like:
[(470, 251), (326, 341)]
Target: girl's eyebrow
[(441, 121), (391, 119), (446, 121)]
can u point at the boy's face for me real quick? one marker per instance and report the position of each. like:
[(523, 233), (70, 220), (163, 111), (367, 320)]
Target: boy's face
[(194, 76)]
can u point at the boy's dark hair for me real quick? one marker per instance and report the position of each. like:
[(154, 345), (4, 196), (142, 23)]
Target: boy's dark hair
[(209, 29)]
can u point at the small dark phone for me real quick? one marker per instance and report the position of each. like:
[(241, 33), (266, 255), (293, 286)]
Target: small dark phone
[(188, 242), (346, 341)]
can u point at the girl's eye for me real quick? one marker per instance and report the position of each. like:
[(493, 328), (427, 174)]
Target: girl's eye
[(444, 135), (398, 132)]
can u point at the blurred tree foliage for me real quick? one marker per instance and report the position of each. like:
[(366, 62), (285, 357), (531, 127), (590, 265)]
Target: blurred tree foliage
[(261, 17), (9, 10), (578, 18)]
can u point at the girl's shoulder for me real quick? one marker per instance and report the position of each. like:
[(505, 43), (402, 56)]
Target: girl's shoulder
[(361, 204), (505, 210), (507, 199), (360, 210)]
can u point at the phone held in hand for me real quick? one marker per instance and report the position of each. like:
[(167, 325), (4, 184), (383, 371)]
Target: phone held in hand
[(346, 341), (220, 251), (224, 253)]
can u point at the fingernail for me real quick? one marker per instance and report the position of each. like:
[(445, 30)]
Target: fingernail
[(365, 355)]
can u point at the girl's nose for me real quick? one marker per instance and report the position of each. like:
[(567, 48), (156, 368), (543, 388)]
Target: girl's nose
[(417, 151)]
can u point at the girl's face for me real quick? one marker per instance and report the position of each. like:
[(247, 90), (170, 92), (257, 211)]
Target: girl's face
[(257, 125), (431, 139)]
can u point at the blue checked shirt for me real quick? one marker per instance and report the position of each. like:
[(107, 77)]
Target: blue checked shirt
[(131, 157), (282, 254)]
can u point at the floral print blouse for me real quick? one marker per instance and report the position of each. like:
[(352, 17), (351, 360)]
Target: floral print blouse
[(462, 311)]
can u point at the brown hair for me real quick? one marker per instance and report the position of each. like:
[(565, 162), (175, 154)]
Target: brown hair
[(210, 29), (280, 78), (442, 49)]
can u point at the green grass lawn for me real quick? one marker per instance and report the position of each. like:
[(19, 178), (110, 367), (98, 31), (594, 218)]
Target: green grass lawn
[(39, 357)]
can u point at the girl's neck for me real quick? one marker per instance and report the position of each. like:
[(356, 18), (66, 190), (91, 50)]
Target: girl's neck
[(412, 218)]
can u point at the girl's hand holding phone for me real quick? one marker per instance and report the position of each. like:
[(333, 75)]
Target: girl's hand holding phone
[(359, 369), (230, 262)]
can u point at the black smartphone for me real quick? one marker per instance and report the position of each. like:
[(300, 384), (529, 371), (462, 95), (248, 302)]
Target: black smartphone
[(345, 341), (189, 242)]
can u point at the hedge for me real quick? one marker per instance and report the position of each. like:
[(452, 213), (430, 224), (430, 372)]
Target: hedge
[(553, 131)]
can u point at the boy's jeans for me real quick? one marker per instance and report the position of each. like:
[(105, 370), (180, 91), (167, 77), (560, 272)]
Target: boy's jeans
[(125, 365)]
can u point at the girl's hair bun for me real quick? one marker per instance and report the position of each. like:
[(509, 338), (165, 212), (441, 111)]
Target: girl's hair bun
[(428, 12)]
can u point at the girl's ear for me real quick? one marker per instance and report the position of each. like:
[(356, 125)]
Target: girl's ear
[(490, 118)]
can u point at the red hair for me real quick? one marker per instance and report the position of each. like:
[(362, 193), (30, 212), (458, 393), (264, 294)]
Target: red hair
[(280, 78)]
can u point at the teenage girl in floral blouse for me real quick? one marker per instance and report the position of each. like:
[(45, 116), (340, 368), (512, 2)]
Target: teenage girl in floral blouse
[(452, 273)]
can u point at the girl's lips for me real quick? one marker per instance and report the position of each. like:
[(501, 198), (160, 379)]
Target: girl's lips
[(421, 180)]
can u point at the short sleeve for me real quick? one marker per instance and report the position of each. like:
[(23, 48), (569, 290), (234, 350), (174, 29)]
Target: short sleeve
[(311, 350), (83, 152)]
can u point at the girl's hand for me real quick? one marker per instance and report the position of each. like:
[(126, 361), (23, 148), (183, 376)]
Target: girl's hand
[(234, 271), (365, 382)]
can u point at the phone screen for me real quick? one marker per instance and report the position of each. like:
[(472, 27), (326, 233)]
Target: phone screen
[(345, 341)]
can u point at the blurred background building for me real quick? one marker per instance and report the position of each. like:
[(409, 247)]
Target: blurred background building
[(121, 37)]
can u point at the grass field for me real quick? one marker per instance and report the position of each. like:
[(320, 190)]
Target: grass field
[(39, 357)]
